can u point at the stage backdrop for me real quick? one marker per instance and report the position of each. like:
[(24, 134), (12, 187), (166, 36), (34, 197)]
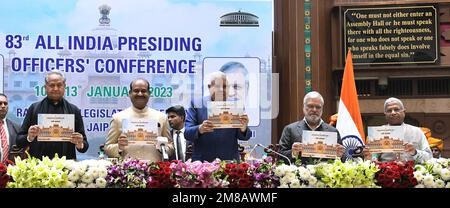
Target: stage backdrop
[(101, 46)]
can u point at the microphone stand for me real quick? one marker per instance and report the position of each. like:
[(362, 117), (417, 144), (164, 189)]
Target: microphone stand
[(269, 150), (164, 153)]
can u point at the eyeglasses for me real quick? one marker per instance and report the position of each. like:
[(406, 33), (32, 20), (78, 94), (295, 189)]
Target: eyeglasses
[(318, 107), (394, 110)]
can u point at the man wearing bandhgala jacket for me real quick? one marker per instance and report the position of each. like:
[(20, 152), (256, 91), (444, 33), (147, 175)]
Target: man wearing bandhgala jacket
[(210, 143)]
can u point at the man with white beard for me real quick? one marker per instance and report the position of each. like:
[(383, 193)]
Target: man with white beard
[(291, 138)]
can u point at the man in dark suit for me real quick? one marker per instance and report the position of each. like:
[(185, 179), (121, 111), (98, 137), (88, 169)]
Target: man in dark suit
[(176, 116), (8, 131), (54, 103), (210, 143), (291, 138)]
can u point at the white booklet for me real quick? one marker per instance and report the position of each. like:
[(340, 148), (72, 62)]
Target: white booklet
[(140, 131), (384, 139), (319, 144), (56, 127), (225, 114)]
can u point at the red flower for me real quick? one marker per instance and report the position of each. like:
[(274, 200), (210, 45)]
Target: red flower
[(396, 175), (244, 166), (3, 168)]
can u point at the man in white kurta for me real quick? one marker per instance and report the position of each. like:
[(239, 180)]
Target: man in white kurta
[(416, 144)]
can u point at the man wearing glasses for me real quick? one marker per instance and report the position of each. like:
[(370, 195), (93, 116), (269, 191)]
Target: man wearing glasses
[(54, 103), (291, 138), (416, 144)]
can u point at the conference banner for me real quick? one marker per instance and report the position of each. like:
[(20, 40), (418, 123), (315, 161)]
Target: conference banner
[(101, 46)]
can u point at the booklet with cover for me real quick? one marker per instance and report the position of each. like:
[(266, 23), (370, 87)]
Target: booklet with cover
[(140, 131), (319, 144), (225, 114), (384, 139), (56, 127)]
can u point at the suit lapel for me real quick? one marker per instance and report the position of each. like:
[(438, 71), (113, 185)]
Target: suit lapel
[(300, 127)]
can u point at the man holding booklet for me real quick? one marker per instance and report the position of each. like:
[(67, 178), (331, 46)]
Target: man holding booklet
[(136, 131), (414, 143), (53, 125), (311, 137), (214, 124)]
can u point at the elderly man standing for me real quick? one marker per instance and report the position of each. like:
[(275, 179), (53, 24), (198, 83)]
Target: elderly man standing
[(117, 142), (416, 144), (210, 143), (291, 138), (54, 103)]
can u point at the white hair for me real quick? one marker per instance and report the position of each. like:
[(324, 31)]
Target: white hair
[(311, 95), (393, 100), (216, 75), (57, 72)]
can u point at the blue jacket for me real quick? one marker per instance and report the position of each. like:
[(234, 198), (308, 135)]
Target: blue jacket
[(221, 143)]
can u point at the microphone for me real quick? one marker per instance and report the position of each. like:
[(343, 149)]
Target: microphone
[(161, 145), (269, 151)]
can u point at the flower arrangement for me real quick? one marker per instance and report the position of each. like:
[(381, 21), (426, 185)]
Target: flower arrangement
[(264, 175), (130, 173), (160, 175), (237, 175), (396, 174), (197, 174), (36, 173), (296, 177), (87, 173), (351, 174), (4, 177), (434, 173)]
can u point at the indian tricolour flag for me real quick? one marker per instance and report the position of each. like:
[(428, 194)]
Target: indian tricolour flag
[(349, 122)]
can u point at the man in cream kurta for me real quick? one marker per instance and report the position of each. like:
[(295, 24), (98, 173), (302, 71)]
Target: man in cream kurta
[(117, 143)]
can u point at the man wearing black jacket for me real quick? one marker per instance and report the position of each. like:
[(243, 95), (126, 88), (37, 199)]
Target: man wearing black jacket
[(54, 103)]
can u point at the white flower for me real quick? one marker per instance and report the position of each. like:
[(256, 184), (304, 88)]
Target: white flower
[(87, 178), (448, 185), (437, 169), (91, 185), (284, 181), (295, 183), (445, 174), (420, 168), (443, 161), (93, 171), (311, 169), (440, 183), (312, 180), (304, 173), (283, 186), (419, 176), (73, 176), (70, 184), (428, 181), (280, 170), (290, 176), (103, 172), (82, 185), (70, 164), (320, 184), (419, 186), (100, 182)]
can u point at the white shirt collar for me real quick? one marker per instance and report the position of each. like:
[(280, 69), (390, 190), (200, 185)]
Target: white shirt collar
[(320, 123)]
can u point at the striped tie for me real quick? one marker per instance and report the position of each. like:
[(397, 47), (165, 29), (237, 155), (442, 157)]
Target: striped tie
[(5, 147)]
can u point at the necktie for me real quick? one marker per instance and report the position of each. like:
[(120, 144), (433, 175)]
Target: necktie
[(180, 154), (5, 146)]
